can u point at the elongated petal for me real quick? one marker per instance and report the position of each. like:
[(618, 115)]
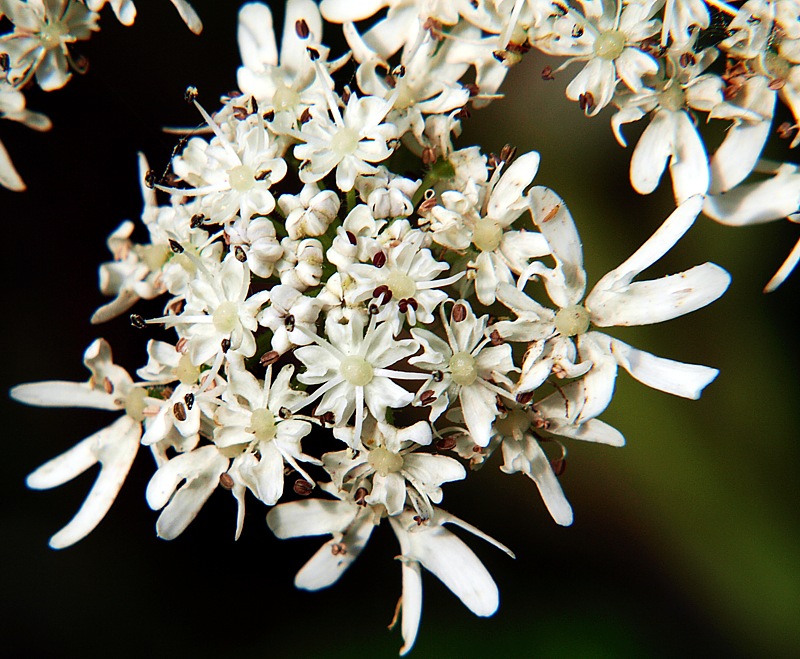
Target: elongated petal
[(310, 517), (256, 36), (677, 378), (63, 394), (411, 603), (672, 230), (480, 409), (9, 178), (329, 563), (593, 430), (689, 164), (648, 302), (114, 448), (652, 151), (189, 15)]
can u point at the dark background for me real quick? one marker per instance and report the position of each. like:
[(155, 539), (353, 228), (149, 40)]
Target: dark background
[(685, 542)]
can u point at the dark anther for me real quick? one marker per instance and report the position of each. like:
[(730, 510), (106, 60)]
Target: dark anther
[(137, 321), (586, 101), (402, 306), (507, 153), (374, 310), (269, 358), (179, 410), (459, 313), (269, 115), (150, 178), (175, 246), (301, 28), (197, 220), (687, 59), (313, 53), (302, 487), (338, 549), (351, 237), (463, 113), (382, 290), (427, 397), (577, 31), (391, 81), (785, 130), (240, 254), (559, 465), (289, 323), (226, 481), (225, 344), (328, 418), (379, 260), (500, 55), (190, 95), (263, 174), (428, 156), (240, 113), (284, 413), (254, 104), (305, 116), (446, 443), (496, 339), (399, 71), (525, 397), (547, 73), (189, 400), (4, 62), (360, 496), (438, 376), (473, 89)]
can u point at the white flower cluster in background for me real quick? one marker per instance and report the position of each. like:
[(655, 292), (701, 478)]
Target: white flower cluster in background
[(37, 49), (420, 323)]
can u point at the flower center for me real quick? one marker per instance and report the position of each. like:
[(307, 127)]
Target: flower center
[(384, 461), (262, 424), (154, 256), (344, 142), (514, 424), (572, 320), (135, 403), (225, 317), (186, 263), (241, 178), (487, 235), (609, 45), (185, 371), (672, 98), (462, 368), (401, 285), (356, 371), (285, 98), (52, 34)]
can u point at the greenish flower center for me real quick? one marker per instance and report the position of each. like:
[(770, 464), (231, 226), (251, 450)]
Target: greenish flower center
[(609, 45), (487, 235), (572, 320), (401, 285), (262, 424), (285, 98), (186, 372), (225, 317), (135, 403), (672, 98), (344, 142), (52, 34), (356, 371), (462, 368), (384, 461), (241, 178)]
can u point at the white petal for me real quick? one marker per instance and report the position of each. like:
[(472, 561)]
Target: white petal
[(480, 409), (189, 15), (411, 603), (677, 378), (650, 156), (114, 448), (689, 164), (9, 178), (310, 517), (648, 302), (256, 36), (63, 394)]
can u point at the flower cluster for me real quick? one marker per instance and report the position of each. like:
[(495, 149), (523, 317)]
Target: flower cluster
[(423, 320)]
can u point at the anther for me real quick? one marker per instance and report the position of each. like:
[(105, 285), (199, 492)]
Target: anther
[(399, 71), (197, 220), (137, 321), (225, 344), (496, 339), (524, 398), (507, 153), (428, 158), (438, 376), (351, 237), (338, 549), (687, 59), (305, 116), (328, 418), (373, 309), (473, 89), (226, 481), (379, 260), (179, 410), (284, 413), (547, 73), (150, 179), (269, 358), (240, 113), (559, 465), (313, 53), (263, 174), (191, 94), (302, 487), (446, 443), (175, 246), (301, 28), (5, 64), (269, 115), (189, 400), (459, 313), (586, 101), (360, 496), (577, 31), (240, 254), (289, 323), (427, 397), (108, 386), (413, 303)]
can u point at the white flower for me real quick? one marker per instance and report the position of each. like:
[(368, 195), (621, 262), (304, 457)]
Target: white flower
[(114, 447), (39, 45), (310, 213), (350, 367), (125, 12), (12, 107), (463, 367), (348, 142)]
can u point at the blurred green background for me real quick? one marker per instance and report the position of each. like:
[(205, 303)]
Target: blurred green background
[(685, 543)]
